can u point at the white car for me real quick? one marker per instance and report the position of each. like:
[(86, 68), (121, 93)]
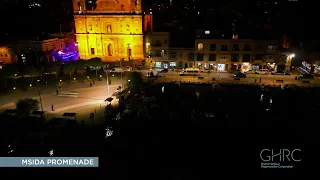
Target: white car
[(263, 71), (250, 72), (127, 68)]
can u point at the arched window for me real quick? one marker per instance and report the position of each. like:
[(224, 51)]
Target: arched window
[(200, 47)]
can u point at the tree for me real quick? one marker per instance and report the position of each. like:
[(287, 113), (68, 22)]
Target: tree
[(8, 72), (79, 64), (51, 67), (134, 80), (96, 63), (68, 68), (32, 70), (25, 106)]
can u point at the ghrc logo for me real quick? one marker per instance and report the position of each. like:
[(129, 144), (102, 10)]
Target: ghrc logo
[(269, 155)]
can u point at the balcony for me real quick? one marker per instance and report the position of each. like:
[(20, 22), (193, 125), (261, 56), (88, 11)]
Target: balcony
[(257, 61), (156, 44), (272, 60)]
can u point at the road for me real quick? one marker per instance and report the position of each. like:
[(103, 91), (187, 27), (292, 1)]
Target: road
[(79, 98), (227, 77)]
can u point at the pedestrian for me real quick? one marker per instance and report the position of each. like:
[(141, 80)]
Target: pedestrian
[(52, 108), (57, 91), (93, 82), (260, 80), (148, 74), (255, 80), (90, 84)]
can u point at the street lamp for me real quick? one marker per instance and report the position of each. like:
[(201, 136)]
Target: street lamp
[(40, 101), (108, 84), (288, 62)]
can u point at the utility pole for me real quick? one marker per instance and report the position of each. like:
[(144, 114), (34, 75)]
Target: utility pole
[(121, 73), (40, 101), (108, 83)]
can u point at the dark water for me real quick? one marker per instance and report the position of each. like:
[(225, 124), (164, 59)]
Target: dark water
[(165, 142)]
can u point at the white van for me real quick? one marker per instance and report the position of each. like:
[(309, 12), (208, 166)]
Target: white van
[(262, 71), (190, 72), (117, 69)]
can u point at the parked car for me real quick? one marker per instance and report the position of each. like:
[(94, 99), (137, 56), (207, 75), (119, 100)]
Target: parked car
[(206, 70), (117, 70), (164, 71), (279, 73), (250, 72), (240, 75), (306, 76), (128, 68), (262, 71)]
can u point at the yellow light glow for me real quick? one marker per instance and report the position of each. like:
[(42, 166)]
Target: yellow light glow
[(109, 37)]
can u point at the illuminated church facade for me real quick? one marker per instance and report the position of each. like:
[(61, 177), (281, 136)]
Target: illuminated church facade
[(109, 29)]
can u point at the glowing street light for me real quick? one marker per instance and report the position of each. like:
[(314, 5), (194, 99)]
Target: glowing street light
[(60, 80), (292, 55), (14, 88), (129, 80), (74, 78), (87, 77), (30, 85)]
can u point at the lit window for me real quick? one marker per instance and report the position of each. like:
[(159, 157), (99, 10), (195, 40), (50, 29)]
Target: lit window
[(200, 47)]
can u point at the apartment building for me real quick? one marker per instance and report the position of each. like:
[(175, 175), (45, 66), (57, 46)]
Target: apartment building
[(225, 55), (157, 49)]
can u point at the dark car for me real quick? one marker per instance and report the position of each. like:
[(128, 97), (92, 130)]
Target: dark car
[(164, 71), (280, 73), (306, 76), (240, 75)]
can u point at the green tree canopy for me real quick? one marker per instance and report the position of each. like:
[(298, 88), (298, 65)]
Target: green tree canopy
[(25, 106), (95, 62), (134, 79), (32, 70)]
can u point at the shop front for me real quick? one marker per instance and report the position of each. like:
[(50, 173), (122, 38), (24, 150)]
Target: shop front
[(255, 67), (233, 67), (271, 66), (158, 65), (222, 67), (164, 65), (173, 65), (199, 65), (211, 66), (245, 67)]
